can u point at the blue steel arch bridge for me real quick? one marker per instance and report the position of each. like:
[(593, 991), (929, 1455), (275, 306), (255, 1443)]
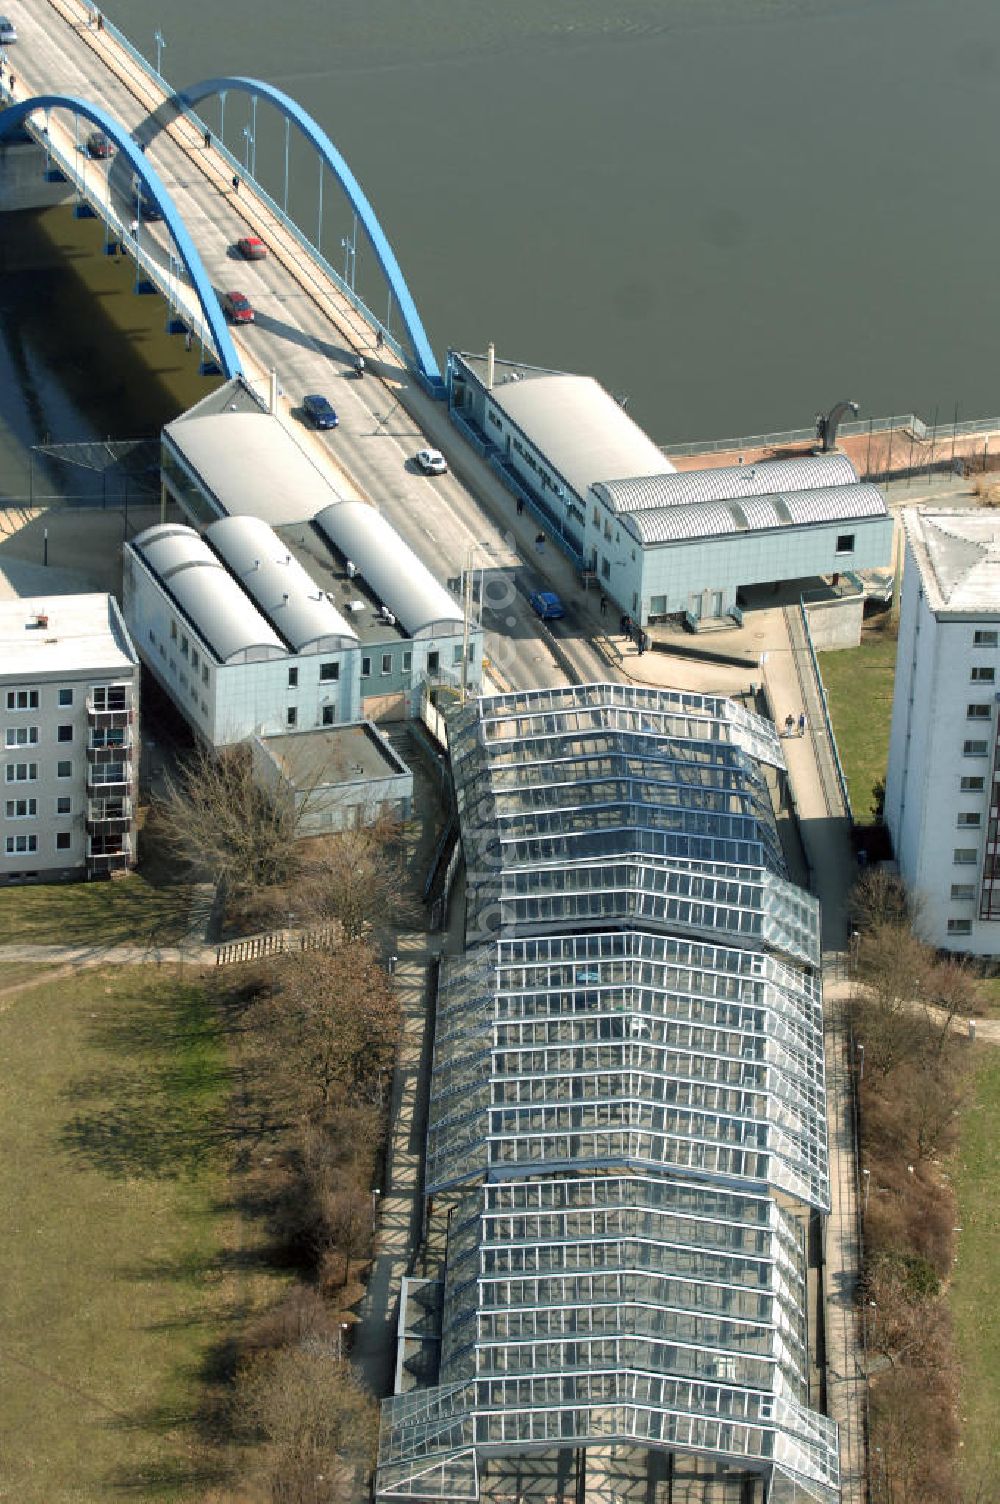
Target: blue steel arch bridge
[(132, 190)]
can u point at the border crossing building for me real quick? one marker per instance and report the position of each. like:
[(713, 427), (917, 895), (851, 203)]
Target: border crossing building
[(280, 606), (942, 797), (658, 541), (626, 1149)]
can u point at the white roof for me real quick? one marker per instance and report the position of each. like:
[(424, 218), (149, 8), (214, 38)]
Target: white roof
[(958, 556), (806, 472), (63, 634), (251, 464), (705, 519), (287, 595), (224, 618), (580, 429), (388, 567)]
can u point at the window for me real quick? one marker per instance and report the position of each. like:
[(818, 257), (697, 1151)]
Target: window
[(407, 660), (291, 715), (978, 712), (983, 675), (173, 631), (64, 770), (960, 926), (65, 697), (657, 605), (366, 667), (22, 699), (22, 736), (204, 673), (975, 749), (195, 660), (329, 673), (387, 663), (327, 715), (64, 734), (433, 662), (17, 845), (456, 653), (969, 818), (64, 805), (845, 543), (184, 645), (605, 568), (597, 517), (963, 890), (63, 839), (293, 678), (22, 809), (972, 785), (21, 772), (965, 856), (983, 639)]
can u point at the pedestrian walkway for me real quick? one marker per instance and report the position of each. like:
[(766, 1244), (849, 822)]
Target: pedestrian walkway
[(399, 1204)]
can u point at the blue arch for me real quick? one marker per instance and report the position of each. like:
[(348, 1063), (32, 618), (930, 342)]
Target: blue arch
[(384, 253), (13, 117)]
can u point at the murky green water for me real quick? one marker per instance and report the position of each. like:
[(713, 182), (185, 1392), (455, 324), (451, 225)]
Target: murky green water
[(734, 211)]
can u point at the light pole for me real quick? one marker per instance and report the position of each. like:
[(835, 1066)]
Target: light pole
[(867, 1177), (375, 1195), (341, 1329), (248, 139), (160, 44), (861, 1063), (349, 246)]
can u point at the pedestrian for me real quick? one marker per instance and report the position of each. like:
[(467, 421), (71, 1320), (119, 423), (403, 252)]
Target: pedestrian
[(623, 623), (187, 339), (100, 20), (208, 140), (640, 642), (540, 541), (604, 605), (802, 723), (236, 182), (789, 724), (520, 505), (379, 340), (134, 229)]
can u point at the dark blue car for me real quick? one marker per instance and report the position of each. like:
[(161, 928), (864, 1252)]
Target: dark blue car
[(547, 605), (319, 412)]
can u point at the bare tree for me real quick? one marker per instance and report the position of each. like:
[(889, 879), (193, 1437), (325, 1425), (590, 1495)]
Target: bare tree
[(219, 821), (357, 878), (317, 1422)]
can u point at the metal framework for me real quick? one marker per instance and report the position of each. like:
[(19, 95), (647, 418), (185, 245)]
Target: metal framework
[(332, 158), (14, 116), (627, 1108)]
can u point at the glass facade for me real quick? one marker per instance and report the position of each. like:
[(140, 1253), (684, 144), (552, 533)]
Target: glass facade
[(627, 1110)]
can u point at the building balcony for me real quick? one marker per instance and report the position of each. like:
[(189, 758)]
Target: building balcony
[(106, 855), (110, 720), (117, 787), (98, 756), (109, 817)]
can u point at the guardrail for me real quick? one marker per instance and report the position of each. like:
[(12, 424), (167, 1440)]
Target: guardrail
[(920, 429)]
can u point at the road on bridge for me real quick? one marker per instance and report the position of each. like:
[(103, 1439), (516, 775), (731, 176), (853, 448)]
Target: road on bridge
[(310, 335)]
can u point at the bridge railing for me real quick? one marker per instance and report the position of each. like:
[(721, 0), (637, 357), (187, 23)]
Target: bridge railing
[(287, 223)]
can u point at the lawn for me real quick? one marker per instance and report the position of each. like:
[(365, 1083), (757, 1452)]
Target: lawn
[(858, 684), (973, 1296), (125, 1267), (129, 911)]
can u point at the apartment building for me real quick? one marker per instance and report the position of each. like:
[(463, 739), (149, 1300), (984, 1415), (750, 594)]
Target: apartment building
[(69, 702), (943, 785)]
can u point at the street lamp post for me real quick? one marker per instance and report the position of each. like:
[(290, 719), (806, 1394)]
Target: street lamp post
[(861, 1063), (341, 1329), (375, 1195), (867, 1177), (160, 44), (248, 140)]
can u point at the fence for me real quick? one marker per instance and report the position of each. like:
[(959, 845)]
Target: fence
[(276, 943)]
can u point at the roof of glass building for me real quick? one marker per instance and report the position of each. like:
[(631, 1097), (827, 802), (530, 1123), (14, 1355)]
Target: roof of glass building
[(628, 1074)]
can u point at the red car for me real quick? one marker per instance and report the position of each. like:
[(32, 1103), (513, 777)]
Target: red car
[(99, 146), (251, 248), (237, 308)]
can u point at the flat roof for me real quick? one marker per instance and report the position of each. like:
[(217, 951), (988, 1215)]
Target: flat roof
[(360, 607), (958, 556), (251, 464), (334, 755), (63, 634), (579, 427)]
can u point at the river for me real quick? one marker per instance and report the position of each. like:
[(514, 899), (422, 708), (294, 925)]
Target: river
[(733, 212)]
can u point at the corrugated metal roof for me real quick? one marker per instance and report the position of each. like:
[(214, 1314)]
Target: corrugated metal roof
[(728, 483), (208, 595), (388, 566), (286, 594), (701, 520), (579, 428)]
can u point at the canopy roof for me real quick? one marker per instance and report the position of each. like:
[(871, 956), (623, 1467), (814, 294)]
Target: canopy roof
[(388, 566), (286, 594), (225, 619)]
